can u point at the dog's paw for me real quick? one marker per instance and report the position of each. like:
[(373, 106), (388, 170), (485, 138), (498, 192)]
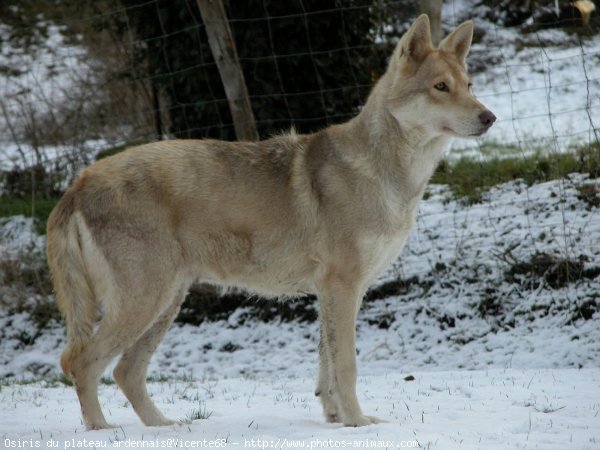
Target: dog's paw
[(375, 420), (361, 421), (332, 418), (100, 426), (162, 421), (168, 422)]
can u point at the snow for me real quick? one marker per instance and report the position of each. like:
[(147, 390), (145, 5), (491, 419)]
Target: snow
[(485, 409), (514, 217), (17, 233)]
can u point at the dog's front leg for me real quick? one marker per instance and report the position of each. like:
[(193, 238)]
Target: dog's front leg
[(339, 298), (324, 386)]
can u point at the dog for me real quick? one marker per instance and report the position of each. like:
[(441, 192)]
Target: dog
[(321, 213)]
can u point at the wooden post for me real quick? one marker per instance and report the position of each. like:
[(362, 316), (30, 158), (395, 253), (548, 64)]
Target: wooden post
[(433, 8), (224, 51)]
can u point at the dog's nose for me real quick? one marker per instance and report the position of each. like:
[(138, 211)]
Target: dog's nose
[(487, 118)]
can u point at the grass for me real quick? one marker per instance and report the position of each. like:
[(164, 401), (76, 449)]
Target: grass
[(57, 380), (161, 378), (38, 208), (469, 178), (48, 381), (63, 380), (200, 413)]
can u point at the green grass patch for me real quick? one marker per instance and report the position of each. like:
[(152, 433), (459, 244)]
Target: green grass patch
[(200, 413), (50, 381), (38, 208), (469, 178), (161, 378), (158, 379), (58, 380), (107, 381)]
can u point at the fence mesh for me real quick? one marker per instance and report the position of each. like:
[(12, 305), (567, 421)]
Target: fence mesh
[(89, 82)]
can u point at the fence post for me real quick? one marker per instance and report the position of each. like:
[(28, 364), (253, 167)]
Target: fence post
[(224, 51), (433, 8)]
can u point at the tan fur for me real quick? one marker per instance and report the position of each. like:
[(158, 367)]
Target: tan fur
[(323, 213)]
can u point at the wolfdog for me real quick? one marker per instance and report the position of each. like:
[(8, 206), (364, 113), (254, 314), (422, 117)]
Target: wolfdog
[(320, 213)]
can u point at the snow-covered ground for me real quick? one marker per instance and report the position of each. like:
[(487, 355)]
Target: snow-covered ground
[(486, 409)]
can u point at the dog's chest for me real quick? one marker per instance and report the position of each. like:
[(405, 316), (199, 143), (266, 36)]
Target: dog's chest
[(380, 251)]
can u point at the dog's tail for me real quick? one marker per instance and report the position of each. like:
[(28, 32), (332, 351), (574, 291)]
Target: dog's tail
[(74, 291)]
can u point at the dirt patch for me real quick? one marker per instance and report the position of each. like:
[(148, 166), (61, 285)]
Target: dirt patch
[(590, 194), (557, 272)]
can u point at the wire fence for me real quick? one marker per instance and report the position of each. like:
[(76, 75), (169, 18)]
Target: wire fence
[(116, 73), (103, 92)]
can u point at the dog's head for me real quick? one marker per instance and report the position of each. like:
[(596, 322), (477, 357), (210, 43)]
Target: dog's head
[(430, 88)]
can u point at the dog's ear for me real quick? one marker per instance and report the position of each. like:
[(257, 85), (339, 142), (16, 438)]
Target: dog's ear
[(416, 42), (459, 41)]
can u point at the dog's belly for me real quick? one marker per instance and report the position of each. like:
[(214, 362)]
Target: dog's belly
[(265, 280), (268, 269)]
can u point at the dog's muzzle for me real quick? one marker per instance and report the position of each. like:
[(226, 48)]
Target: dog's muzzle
[(487, 119)]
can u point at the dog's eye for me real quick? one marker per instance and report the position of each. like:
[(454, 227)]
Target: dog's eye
[(441, 86)]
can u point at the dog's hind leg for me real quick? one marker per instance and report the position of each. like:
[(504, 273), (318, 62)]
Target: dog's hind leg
[(86, 368), (118, 331), (130, 373), (88, 364)]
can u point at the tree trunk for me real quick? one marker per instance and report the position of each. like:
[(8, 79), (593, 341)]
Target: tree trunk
[(224, 51), (433, 8)]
